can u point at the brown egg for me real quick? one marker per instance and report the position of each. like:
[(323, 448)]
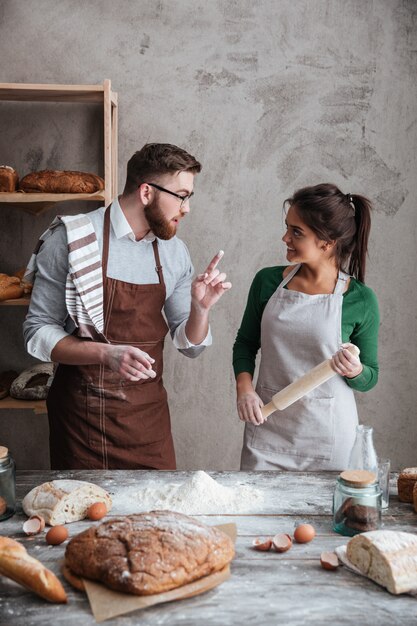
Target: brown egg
[(56, 535), (304, 533), (96, 511)]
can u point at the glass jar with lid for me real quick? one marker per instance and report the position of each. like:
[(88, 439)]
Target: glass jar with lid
[(7, 484), (356, 503)]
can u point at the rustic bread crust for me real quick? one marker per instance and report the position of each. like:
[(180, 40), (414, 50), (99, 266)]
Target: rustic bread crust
[(8, 178), (406, 481), (32, 383), (148, 553), (61, 181)]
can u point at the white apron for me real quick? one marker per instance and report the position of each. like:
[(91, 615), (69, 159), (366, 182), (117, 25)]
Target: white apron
[(317, 432)]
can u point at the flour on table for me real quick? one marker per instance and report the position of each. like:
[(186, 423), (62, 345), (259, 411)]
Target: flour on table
[(199, 495)]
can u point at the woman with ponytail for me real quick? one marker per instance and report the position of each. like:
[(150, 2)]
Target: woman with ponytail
[(300, 315)]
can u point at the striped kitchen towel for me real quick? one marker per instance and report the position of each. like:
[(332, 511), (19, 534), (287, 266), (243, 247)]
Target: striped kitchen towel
[(84, 285)]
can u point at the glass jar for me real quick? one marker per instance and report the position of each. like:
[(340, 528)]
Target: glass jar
[(356, 503), (363, 455), (7, 485)]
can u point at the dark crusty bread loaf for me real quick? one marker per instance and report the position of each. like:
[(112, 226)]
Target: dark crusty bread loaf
[(405, 482), (149, 553), (8, 178), (61, 181), (15, 563)]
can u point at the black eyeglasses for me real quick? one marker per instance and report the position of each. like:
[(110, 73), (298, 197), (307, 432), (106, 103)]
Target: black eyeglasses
[(183, 199)]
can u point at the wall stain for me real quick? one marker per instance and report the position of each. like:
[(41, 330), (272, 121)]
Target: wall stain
[(247, 61), (220, 79), (33, 159), (145, 43)]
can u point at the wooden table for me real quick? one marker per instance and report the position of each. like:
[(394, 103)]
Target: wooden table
[(265, 588)]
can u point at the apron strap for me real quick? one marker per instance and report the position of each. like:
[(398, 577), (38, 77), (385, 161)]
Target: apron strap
[(106, 235), (158, 265), (342, 279), (289, 276), (340, 286)]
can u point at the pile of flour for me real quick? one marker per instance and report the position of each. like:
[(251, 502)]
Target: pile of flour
[(199, 495)]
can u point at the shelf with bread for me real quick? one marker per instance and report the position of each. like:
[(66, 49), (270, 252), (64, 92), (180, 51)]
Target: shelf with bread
[(39, 201), (36, 203)]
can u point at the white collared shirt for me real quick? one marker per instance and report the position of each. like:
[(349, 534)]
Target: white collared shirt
[(132, 261)]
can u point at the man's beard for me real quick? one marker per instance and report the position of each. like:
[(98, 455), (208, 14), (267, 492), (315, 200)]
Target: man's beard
[(160, 226)]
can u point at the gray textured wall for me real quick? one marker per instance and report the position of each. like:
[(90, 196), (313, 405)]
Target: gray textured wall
[(269, 98)]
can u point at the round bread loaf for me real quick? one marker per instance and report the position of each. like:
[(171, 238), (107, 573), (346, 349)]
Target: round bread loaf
[(63, 501), (33, 383), (149, 553), (10, 287), (388, 557)]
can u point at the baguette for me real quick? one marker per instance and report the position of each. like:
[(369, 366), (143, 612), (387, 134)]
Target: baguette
[(15, 563)]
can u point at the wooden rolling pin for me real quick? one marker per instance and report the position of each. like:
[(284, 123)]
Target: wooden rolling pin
[(300, 387)]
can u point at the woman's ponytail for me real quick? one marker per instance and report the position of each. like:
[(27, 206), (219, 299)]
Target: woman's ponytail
[(357, 262)]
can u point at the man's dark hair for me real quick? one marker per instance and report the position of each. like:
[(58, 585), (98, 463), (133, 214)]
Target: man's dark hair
[(157, 159)]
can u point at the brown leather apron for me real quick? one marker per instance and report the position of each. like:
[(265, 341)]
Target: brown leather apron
[(98, 420)]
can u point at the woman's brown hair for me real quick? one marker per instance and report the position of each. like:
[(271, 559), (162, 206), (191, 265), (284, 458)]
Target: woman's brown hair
[(342, 218)]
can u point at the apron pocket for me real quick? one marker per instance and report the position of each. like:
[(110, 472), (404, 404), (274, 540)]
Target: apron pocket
[(305, 429), (127, 415)]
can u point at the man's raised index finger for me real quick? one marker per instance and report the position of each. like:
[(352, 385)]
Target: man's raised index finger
[(214, 261)]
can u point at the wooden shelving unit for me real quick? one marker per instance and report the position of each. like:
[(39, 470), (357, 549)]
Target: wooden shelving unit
[(97, 94), (36, 203), (37, 406)]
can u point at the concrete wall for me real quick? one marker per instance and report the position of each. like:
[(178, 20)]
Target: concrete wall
[(269, 98)]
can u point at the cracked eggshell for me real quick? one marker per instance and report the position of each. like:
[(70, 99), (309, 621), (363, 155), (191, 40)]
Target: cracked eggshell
[(282, 542), (262, 544), (34, 525)]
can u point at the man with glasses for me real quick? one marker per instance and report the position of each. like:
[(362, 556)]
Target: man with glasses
[(108, 287)]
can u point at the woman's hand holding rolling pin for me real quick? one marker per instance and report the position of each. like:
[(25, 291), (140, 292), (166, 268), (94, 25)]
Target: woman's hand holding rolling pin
[(249, 406), (345, 364)]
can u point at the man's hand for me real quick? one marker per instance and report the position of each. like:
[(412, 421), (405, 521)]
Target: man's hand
[(209, 287), (130, 362)]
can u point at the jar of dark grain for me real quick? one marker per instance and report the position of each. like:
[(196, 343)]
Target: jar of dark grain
[(356, 503), (7, 484)]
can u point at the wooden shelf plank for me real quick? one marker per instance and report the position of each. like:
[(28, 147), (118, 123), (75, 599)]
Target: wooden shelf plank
[(16, 302), (36, 203), (37, 406), (19, 92)]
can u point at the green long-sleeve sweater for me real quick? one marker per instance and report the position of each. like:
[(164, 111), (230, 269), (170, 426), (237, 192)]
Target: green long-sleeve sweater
[(360, 325)]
